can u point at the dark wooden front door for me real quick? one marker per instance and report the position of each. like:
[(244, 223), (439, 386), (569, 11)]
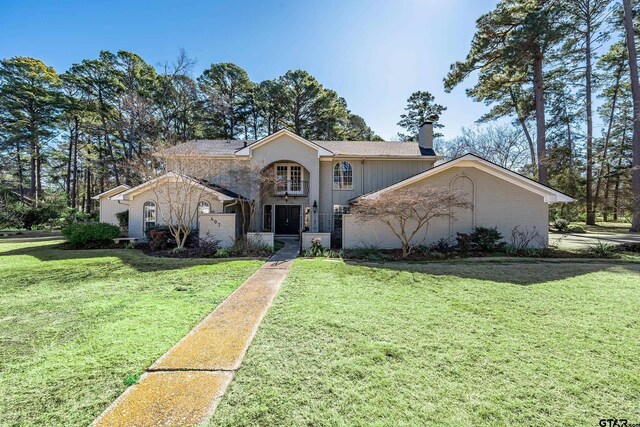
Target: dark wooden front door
[(287, 219)]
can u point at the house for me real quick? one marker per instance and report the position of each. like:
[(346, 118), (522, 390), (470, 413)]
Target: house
[(311, 185)]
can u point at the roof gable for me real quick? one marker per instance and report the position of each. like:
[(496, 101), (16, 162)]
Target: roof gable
[(116, 190), (549, 194), (247, 151), (222, 194)]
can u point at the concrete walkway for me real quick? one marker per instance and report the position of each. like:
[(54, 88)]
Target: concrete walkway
[(184, 386)]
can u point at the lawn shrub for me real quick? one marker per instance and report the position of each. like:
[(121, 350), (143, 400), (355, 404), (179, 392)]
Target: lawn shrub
[(561, 225), (223, 253), (70, 216), (316, 248), (11, 214), (465, 241), (487, 238), (444, 246), (523, 238), (192, 239), (629, 247), (158, 239), (90, 234), (246, 247), (123, 220), (601, 249)]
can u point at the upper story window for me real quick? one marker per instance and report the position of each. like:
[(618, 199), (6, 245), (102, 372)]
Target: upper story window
[(290, 179), (343, 176), (149, 214), (204, 207)]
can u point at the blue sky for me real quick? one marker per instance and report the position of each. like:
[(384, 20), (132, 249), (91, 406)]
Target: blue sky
[(373, 53)]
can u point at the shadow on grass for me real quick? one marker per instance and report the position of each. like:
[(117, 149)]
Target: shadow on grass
[(517, 271), (131, 257)]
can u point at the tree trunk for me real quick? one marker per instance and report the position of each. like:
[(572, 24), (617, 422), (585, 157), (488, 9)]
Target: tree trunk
[(591, 215), (108, 144), (33, 166), (635, 91), (607, 138), (74, 169), (605, 203), (540, 117), (88, 190), (38, 174), (20, 171), (69, 162), (523, 122)]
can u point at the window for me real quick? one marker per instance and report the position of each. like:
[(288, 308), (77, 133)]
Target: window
[(295, 174), (204, 207), (290, 179), (266, 218), (338, 211), (149, 214), (343, 176)]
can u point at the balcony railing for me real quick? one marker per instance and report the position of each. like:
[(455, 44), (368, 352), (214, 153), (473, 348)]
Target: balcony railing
[(293, 188)]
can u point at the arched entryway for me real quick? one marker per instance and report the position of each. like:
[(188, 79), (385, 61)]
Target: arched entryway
[(285, 203), (463, 220)]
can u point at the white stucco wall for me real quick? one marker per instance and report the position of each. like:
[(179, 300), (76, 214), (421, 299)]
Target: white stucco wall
[(261, 238), (497, 203), (136, 220), (368, 175), (109, 209), (308, 237), (221, 227), (287, 149)]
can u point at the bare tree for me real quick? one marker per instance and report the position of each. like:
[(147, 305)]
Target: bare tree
[(408, 212), (254, 182), (178, 198), (504, 145), (179, 184)]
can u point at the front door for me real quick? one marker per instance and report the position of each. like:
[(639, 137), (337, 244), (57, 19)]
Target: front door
[(287, 219)]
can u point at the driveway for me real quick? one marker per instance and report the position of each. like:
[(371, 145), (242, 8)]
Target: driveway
[(584, 240)]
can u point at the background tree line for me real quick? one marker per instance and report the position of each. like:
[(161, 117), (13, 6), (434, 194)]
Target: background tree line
[(78, 133), (551, 66), (547, 70)]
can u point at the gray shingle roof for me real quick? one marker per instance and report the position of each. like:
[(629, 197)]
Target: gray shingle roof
[(221, 147)]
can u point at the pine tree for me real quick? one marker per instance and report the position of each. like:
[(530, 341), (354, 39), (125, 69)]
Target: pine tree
[(420, 107)]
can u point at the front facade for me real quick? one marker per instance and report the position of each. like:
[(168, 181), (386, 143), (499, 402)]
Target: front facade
[(284, 184)]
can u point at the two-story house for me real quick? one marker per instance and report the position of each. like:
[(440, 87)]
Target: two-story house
[(312, 183)]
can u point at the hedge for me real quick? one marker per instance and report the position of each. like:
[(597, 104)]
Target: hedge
[(90, 233)]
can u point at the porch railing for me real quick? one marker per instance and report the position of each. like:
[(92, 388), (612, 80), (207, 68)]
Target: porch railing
[(292, 188)]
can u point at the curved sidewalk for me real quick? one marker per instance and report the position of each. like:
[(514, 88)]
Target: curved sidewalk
[(184, 386)]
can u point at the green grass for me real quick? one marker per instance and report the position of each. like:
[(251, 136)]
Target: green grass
[(78, 327), (460, 343), (604, 227)]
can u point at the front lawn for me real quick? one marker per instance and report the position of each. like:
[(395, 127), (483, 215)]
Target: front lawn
[(75, 326), (455, 343)]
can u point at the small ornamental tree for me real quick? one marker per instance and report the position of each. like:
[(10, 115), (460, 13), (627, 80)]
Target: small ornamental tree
[(408, 212)]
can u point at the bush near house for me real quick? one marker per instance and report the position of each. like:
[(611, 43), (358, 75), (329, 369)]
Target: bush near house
[(487, 242), (562, 225), (90, 235), (123, 220), (191, 241)]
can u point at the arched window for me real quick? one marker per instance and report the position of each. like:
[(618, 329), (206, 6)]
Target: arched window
[(149, 214), (204, 207), (343, 176)]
